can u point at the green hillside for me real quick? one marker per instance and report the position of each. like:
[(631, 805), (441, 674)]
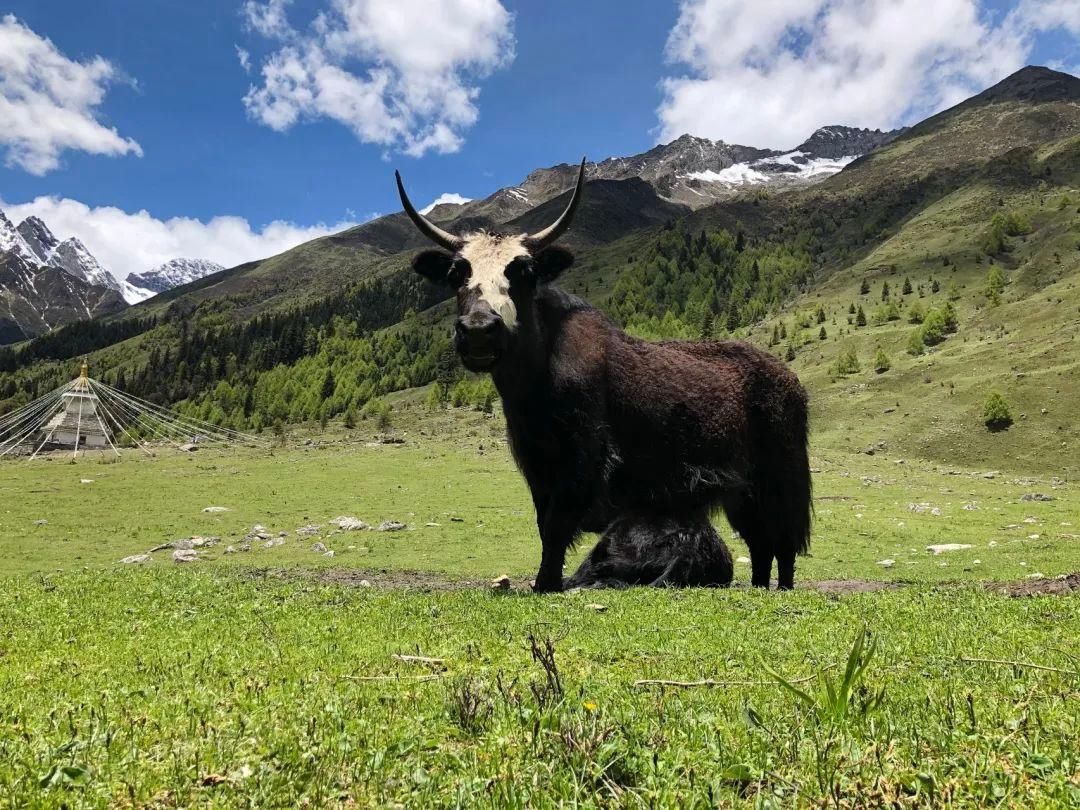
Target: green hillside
[(984, 195)]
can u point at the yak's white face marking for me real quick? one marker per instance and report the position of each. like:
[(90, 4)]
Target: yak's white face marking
[(489, 256)]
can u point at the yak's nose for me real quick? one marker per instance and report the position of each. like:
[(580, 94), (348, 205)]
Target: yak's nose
[(478, 325)]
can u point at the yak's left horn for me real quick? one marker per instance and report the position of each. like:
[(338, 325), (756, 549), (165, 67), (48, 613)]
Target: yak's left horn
[(545, 237), (428, 229)]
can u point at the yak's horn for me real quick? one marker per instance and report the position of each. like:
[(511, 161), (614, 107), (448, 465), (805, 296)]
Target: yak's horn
[(428, 229), (545, 237)]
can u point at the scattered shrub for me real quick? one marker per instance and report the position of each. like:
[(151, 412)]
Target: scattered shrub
[(996, 414), (881, 361), (846, 363)]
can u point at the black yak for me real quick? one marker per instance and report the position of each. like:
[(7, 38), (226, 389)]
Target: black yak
[(604, 425)]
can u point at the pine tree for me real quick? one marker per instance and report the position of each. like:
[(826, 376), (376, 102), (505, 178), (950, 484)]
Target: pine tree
[(885, 291), (350, 418), (860, 317), (915, 344), (789, 355), (783, 331), (881, 361), (707, 326), (821, 335), (996, 415), (995, 283), (907, 286), (864, 288), (851, 308), (329, 385), (820, 314), (934, 285)]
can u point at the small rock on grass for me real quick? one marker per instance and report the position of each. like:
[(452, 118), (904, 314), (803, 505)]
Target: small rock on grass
[(212, 510), (391, 526), (364, 583), (1036, 496), (501, 583), (41, 523), (349, 524), (319, 548), (137, 559), (743, 560), (308, 531), (944, 547), (595, 607), (182, 555), (886, 563)]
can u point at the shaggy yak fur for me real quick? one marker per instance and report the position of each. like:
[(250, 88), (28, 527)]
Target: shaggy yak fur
[(644, 549), (643, 441)]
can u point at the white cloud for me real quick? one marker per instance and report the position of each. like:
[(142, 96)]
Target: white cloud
[(136, 242), (769, 73), (267, 18), (369, 65), (244, 57), (47, 102), (449, 197)]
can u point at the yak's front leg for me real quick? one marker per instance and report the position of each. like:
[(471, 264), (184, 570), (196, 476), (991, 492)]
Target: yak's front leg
[(559, 519)]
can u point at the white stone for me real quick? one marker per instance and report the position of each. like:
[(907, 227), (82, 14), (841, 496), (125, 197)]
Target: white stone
[(743, 560), (886, 563), (349, 524), (210, 510), (182, 555), (137, 559), (944, 547)]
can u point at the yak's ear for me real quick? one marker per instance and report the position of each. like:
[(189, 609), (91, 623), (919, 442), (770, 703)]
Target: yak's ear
[(551, 261), (435, 265)]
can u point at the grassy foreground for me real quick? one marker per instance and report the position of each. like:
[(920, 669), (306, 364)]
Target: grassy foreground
[(175, 687), (268, 677)]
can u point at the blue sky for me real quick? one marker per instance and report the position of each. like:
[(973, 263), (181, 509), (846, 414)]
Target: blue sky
[(526, 84)]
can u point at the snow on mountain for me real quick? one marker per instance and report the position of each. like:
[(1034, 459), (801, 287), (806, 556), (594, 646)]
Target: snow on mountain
[(788, 167), (38, 236), (72, 257), (12, 241), (173, 273)]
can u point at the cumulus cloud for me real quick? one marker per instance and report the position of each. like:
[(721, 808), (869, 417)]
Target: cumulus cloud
[(771, 72), (136, 242), (370, 66), (47, 102), (450, 197)]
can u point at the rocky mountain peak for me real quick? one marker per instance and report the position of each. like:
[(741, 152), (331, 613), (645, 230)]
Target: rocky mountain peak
[(173, 273), (38, 237), (73, 257), (1032, 84)]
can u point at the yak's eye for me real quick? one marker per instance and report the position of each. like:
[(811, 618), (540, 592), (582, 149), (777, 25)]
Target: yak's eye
[(520, 268), (460, 269)]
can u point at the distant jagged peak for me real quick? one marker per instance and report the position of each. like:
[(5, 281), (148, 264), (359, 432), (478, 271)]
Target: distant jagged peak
[(173, 273), (38, 236), (74, 258)]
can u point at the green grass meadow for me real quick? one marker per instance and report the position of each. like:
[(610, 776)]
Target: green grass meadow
[(275, 677)]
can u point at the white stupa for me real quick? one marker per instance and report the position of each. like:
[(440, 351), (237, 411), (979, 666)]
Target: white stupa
[(79, 424), (86, 414)]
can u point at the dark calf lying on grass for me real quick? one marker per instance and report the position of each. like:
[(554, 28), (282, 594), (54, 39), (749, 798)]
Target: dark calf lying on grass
[(661, 551)]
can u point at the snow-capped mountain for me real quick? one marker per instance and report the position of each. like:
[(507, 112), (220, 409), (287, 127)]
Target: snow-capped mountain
[(173, 273), (691, 171), (12, 241), (72, 256), (38, 237), (45, 283)]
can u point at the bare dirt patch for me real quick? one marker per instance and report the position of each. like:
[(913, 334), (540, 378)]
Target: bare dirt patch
[(1046, 586)]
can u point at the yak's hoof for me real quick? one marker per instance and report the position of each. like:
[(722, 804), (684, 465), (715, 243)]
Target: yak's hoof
[(546, 587)]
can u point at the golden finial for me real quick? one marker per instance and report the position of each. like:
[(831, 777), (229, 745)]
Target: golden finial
[(83, 370)]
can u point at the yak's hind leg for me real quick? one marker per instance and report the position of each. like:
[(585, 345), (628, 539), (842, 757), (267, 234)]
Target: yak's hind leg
[(773, 518)]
